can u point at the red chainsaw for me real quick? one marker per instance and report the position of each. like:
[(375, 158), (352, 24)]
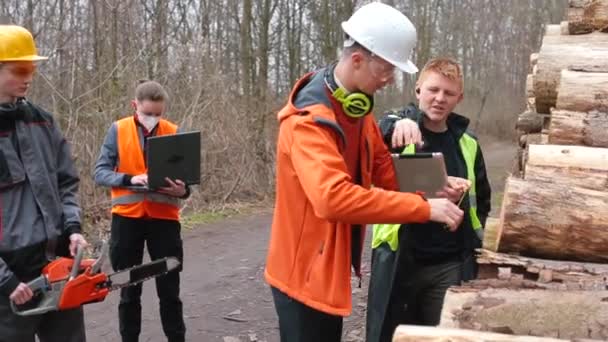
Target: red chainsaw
[(67, 283)]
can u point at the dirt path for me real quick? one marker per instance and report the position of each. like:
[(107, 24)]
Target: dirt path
[(223, 265), (223, 290)]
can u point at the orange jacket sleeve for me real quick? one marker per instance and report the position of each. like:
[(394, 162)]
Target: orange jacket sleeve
[(323, 176)]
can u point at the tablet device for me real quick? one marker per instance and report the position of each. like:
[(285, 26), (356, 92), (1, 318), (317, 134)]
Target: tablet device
[(176, 156), (421, 172)]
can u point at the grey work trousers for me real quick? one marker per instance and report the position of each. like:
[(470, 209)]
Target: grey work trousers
[(54, 326)]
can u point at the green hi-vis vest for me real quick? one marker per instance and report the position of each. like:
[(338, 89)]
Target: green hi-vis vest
[(389, 233)]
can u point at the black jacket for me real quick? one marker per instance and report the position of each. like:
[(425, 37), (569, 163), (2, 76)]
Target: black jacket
[(457, 126), (385, 261)]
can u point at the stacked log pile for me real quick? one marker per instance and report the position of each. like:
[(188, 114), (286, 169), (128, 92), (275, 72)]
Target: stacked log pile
[(544, 266), (555, 205), (412, 333)]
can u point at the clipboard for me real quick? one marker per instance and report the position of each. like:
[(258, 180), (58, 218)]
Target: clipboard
[(421, 172)]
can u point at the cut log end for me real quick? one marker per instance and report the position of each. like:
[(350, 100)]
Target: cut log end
[(529, 122)]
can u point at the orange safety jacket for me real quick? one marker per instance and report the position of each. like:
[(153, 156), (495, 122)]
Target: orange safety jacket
[(317, 202), (131, 161)]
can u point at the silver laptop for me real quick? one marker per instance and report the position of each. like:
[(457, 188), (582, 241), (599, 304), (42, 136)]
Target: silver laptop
[(423, 172), (175, 156)]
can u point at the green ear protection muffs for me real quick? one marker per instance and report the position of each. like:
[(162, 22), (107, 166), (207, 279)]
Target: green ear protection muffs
[(356, 104)]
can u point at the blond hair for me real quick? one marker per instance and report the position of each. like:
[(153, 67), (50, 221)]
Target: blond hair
[(444, 66), (151, 91)]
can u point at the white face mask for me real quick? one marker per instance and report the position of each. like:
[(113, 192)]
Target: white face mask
[(148, 121)]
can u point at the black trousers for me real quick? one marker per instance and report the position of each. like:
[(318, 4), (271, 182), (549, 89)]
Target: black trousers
[(418, 293), (300, 323), (55, 326), (163, 239)]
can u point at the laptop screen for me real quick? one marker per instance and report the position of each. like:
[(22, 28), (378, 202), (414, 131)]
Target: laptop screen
[(175, 156)]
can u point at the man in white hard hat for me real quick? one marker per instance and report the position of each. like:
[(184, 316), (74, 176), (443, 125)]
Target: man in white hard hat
[(330, 152), (38, 197)]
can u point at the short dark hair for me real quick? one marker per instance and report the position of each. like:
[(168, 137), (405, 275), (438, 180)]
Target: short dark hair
[(352, 45), (150, 90)]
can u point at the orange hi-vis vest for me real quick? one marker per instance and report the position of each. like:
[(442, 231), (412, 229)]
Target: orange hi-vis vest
[(131, 161)]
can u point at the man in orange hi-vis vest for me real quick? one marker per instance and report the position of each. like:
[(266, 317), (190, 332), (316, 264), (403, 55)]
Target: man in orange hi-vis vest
[(143, 217)]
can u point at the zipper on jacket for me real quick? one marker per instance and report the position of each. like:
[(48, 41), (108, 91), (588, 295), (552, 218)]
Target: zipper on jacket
[(369, 158), (314, 261)]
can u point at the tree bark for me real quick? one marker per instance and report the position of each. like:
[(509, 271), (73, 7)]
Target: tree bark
[(538, 138), (412, 333), (529, 122), (586, 167), (585, 16), (583, 91), (534, 138), (577, 128), (531, 104), (247, 58), (554, 221), (582, 53), (490, 237), (519, 310), (541, 273)]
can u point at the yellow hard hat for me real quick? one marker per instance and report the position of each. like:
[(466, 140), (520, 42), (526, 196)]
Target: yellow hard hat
[(17, 44)]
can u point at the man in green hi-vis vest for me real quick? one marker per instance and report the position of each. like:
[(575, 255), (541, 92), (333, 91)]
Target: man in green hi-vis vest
[(413, 265)]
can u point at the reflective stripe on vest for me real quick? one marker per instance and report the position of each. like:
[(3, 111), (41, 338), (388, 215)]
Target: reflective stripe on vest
[(389, 233), (151, 197)]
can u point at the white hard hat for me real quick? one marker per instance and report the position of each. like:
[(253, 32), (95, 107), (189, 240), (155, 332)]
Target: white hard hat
[(385, 32)]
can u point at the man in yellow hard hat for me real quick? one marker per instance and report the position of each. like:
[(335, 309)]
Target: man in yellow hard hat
[(38, 196)]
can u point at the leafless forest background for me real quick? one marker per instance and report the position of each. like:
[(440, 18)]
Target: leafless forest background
[(229, 64)]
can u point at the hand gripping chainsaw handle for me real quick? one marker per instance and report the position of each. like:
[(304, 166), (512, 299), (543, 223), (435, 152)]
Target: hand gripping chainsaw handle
[(65, 283)]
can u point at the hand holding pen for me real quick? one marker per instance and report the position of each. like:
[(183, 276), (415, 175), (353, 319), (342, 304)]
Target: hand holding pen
[(455, 191)]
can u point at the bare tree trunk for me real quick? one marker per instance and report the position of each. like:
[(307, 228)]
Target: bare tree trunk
[(160, 37), (247, 60), (295, 43), (267, 11)]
